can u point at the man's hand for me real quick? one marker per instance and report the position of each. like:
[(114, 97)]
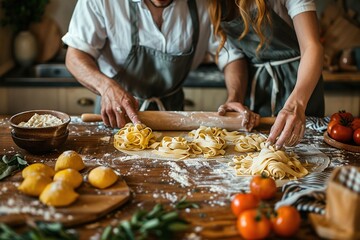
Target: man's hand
[(249, 118), (117, 106)]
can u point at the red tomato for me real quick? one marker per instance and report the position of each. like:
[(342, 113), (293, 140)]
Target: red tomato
[(355, 124), (286, 221), (356, 136), (341, 133), (243, 201), (330, 125), (263, 187), (251, 224), (342, 115)]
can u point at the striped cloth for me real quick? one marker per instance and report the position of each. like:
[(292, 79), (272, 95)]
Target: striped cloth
[(304, 198), (317, 124)]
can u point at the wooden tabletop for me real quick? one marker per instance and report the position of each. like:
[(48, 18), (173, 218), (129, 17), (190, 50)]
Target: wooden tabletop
[(160, 181)]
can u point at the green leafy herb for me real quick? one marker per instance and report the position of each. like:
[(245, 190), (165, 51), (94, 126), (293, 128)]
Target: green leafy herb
[(182, 204), (39, 231), (8, 165), (156, 223)]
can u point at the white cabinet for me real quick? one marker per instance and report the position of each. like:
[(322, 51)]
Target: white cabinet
[(72, 100), (204, 99)]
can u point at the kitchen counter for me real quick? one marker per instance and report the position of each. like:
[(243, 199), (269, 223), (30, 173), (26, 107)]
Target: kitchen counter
[(163, 181)]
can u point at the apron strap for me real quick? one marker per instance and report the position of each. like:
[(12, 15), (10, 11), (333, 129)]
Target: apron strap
[(275, 87), (134, 18)]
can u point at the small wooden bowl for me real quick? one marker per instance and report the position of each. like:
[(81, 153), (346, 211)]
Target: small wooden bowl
[(39, 132), (39, 145), (340, 145)]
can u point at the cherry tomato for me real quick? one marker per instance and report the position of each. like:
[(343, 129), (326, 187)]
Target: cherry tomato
[(355, 124), (251, 224), (286, 221), (243, 201), (341, 133), (342, 115), (263, 187), (356, 136)]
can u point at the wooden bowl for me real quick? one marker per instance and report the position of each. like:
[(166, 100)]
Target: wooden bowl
[(39, 132), (39, 145), (340, 145)]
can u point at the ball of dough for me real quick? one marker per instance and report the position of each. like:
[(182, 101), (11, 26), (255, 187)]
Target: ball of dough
[(102, 177), (38, 168), (69, 159), (58, 194), (69, 175), (34, 184)]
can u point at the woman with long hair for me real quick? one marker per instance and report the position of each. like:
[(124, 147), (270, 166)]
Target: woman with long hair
[(281, 43)]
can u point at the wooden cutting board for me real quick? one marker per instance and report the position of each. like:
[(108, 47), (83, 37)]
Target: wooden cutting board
[(91, 205)]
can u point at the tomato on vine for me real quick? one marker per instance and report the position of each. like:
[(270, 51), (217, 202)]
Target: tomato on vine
[(252, 224), (243, 201), (341, 133), (263, 187), (286, 221), (356, 136), (342, 115), (355, 124)]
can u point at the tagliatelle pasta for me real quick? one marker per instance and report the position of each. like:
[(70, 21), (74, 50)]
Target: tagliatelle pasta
[(210, 146), (215, 131), (249, 143), (176, 147), (134, 137), (274, 163)]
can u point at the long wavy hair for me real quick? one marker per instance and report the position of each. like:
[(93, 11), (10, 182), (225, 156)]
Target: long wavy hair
[(243, 8)]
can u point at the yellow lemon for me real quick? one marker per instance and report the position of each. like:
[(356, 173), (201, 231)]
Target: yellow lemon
[(102, 177), (38, 168), (70, 176), (58, 194), (69, 159), (34, 184)]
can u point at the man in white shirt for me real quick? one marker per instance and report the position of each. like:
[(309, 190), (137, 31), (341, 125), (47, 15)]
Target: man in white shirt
[(140, 51)]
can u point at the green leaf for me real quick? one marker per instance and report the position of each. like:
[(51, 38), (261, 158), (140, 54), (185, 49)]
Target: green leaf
[(8, 165)]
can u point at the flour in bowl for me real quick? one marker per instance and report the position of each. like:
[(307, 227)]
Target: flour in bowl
[(43, 120)]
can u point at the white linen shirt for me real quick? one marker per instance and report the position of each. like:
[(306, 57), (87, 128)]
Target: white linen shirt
[(102, 28)]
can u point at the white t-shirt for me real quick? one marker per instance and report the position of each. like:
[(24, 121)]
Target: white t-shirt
[(102, 29), (288, 9)]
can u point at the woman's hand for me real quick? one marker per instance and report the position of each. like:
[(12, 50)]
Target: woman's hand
[(249, 118), (117, 106), (289, 127)]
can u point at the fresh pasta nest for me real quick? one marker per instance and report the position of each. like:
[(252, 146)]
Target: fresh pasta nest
[(277, 164)]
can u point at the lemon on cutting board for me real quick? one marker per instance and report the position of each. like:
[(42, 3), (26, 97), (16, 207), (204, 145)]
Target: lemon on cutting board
[(69, 175), (34, 184), (102, 177), (38, 168), (58, 194), (69, 159)]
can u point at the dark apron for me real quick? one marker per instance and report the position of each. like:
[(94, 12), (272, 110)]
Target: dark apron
[(155, 78), (274, 70)]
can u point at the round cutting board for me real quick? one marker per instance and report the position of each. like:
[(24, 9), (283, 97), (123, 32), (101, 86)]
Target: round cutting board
[(92, 204), (340, 145)]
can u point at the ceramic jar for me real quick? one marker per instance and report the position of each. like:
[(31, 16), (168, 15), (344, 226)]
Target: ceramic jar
[(25, 48)]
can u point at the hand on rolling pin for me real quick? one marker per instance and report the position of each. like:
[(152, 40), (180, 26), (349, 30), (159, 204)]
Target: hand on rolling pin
[(249, 118), (117, 105)]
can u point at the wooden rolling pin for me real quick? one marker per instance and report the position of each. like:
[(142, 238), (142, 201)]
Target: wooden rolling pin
[(185, 121)]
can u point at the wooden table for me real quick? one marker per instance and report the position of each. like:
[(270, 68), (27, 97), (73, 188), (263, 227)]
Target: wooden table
[(159, 181)]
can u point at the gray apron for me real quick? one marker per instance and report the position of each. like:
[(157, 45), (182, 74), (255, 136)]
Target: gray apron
[(153, 77), (274, 70)]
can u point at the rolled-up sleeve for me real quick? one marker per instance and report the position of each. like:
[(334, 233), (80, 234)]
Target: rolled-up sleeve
[(298, 6), (87, 30), (227, 54)]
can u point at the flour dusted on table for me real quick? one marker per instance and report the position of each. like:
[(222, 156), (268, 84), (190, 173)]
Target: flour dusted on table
[(41, 120)]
